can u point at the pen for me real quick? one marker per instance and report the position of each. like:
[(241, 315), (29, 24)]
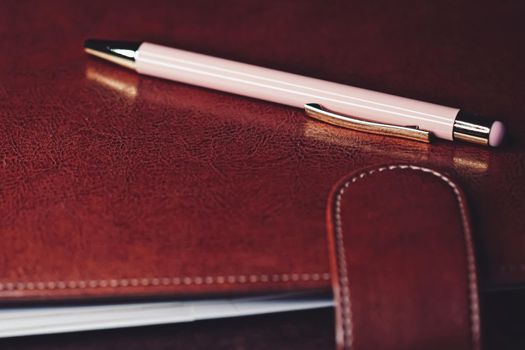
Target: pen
[(333, 103)]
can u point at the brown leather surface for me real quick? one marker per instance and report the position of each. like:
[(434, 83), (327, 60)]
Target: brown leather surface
[(98, 165), (403, 264), (88, 150)]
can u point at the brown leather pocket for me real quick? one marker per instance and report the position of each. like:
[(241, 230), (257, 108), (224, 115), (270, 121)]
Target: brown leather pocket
[(402, 261)]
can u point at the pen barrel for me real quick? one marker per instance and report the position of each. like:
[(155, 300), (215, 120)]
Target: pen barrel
[(292, 89)]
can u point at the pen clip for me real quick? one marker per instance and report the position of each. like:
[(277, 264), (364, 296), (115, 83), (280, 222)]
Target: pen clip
[(316, 111)]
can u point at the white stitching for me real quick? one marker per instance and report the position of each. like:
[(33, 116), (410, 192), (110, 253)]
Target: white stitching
[(341, 257), (166, 281)]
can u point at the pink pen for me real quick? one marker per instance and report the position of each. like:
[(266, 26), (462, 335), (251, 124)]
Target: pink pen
[(334, 103)]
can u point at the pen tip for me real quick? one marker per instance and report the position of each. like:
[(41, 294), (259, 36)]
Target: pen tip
[(108, 45), (91, 43), (119, 52)]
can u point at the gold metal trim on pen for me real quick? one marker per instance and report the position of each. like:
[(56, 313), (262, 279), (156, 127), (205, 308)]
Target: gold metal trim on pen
[(122, 61), (123, 53), (472, 128), (316, 111)]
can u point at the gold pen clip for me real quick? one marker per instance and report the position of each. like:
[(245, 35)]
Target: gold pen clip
[(316, 111)]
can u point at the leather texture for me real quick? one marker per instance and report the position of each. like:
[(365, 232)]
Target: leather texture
[(404, 271), (100, 164)]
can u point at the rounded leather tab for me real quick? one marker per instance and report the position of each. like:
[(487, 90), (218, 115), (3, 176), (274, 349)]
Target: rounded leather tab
[(402, 260)]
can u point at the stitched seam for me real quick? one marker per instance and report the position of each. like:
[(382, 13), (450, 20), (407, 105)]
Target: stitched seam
[(165, 281), (342, 268)]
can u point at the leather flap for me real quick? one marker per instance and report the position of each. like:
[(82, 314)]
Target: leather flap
[(403, 264)]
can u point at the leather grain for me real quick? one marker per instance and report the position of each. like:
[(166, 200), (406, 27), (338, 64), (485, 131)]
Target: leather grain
[(99, 165), (404, 270)]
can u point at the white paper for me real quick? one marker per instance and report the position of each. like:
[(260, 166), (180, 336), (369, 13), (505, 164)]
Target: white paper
[(24, 321)]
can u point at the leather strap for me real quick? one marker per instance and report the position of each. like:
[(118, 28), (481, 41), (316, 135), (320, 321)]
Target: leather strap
[(402, 261)]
